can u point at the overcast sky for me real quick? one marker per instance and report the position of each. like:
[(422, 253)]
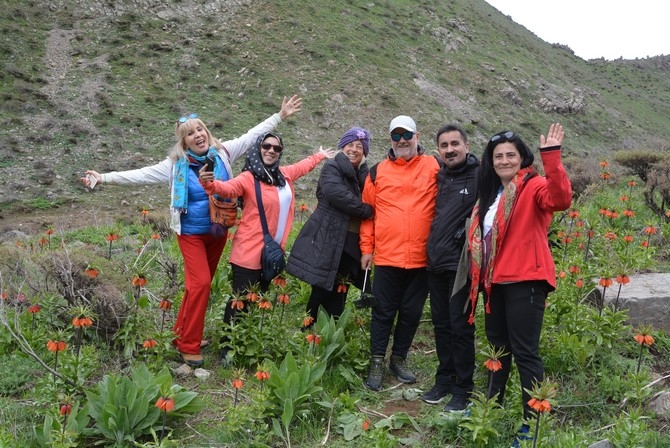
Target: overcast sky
[(596, 28)]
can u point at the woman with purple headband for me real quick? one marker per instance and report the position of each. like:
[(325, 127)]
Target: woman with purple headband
[(326, 253)]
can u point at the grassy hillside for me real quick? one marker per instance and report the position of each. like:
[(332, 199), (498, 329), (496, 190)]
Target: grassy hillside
[(95, 84)]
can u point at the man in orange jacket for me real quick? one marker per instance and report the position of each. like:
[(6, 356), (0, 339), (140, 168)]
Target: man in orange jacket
[(401, 190)]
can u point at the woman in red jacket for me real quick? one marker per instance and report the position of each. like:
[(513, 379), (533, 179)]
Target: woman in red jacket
[(510, 258)]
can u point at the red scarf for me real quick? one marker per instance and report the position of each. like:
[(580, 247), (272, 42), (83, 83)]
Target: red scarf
[(498, 230)]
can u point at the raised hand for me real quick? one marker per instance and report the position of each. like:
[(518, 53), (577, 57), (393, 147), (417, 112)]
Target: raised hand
[(290, 106), (554, 136)]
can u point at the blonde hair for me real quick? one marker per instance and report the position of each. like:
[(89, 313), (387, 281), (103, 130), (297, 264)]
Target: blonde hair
[(181, 130)]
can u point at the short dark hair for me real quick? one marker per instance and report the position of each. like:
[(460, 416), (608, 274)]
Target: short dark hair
[(449, 128)]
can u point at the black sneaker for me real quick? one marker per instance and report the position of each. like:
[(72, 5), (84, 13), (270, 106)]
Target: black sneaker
[(436, 394), (457, 403), (375, 373), (399, 367)]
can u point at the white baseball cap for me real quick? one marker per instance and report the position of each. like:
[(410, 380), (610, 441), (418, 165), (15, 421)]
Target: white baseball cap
[(403, 122)]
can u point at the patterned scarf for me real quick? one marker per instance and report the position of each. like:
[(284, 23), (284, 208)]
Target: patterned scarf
[(498, 230), (253, 163), (180, 181)]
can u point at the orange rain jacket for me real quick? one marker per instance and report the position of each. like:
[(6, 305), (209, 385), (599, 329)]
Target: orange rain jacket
[(403, 198)]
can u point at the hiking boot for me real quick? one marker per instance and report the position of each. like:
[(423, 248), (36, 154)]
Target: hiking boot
[(457, 403), (375, 374), (399, 367), (436, 394)]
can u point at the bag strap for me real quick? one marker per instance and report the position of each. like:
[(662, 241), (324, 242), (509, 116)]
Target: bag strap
[(261, 210)]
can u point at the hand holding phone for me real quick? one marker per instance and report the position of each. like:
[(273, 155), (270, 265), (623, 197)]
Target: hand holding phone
[(209, 164)]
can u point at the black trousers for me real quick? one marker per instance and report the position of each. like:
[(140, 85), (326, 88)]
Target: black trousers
[(454, 336), (400, 293), (243, 279), (332, 301), (514, 324)]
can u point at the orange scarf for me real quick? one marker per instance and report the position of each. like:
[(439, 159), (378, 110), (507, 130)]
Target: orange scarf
[(498, 230)]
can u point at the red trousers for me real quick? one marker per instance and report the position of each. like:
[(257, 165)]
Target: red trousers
[(201, 255)]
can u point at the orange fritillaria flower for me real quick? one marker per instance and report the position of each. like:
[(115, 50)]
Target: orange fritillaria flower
[(165, 305), (605, 281), (644, 243), (279, 281), (562, 274), (82, 321), (628, 238), (632, 183), (307, 321), (238, 383), (628, 213), (342, 287), (252, 296), (33, 309), (65, 409), (304, 207), (605, 175), (91, 272), (644, 339), (650, 230), (539, 405), (604, 164), (237, 304), (144, 212), (493, 364), (112, 236), (579, 283), (155, 236), (623, 198), (579, 223), (610, 236), (262, 375), (43, 242), (366, 424), (165, 404), (574, 269), (50, 231), (573, 214), (56, 346), (139, 281), (149, 343), (622, 279), (313, 338), (284, 299), (264, 304), (667, 213)]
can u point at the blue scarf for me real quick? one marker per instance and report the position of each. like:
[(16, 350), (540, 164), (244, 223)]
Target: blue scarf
[(180, 181)]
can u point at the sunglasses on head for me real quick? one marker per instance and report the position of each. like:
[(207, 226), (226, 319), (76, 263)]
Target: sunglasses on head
[(507, 135), (188, 117), (406, 135), (276, 148)]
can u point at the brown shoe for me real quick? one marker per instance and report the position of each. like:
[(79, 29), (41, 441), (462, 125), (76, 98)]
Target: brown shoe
[(192, 360)]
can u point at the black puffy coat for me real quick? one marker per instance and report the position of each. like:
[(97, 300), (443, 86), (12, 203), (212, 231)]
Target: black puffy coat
[(316, 252)]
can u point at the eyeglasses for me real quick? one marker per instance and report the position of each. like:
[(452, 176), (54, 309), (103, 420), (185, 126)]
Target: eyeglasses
[(188, 117), (406, 135), (507, 135), (276, 148)]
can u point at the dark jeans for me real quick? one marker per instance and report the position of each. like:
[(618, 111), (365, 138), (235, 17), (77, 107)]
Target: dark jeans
[(243, 279), (514, 324), (402, 293), (454, 336)]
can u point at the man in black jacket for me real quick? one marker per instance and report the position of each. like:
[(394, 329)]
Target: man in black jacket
[(454, 337)]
